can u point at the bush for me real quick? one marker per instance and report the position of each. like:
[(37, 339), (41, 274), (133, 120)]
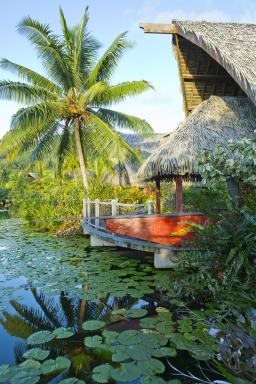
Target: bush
[(53, 198)]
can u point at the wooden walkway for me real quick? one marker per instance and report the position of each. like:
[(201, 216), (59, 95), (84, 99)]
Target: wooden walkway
[(98, 219)]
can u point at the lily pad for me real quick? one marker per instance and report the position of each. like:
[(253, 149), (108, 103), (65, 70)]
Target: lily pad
[(93, 341), (53, 366), (93, 325), (130, 337), (151, 367), (136, 313), (101, 373), (30, 364), (71, 380), (62, 333), (36, 354), (126, 372), (40, 337)]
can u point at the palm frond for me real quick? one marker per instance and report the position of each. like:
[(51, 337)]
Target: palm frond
[(65, 30), (29, 75), (122, 120), (94, 92), (24, 93), (106, 140), (44, 144), (108, 62), (122, 91), (36, 115), (50, 49)]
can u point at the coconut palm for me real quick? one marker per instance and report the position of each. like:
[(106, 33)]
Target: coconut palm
[(71, 105)]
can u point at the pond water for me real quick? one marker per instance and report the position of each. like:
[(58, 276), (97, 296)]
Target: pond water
[(92, 296)]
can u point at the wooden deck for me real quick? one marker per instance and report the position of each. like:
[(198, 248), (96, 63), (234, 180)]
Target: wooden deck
[(166, 236)]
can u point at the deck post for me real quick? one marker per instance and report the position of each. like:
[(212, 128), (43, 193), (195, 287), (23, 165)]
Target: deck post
[(114, 207), (88, 210), (150, 207), (97, 213), (179, 194), (158, 196)]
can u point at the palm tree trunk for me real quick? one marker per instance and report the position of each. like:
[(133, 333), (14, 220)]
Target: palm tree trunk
[(80, 154)]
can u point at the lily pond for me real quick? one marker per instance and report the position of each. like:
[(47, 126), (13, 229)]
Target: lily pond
[(70, 313)]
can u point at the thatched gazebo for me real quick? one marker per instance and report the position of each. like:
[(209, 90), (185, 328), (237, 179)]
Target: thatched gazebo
[(213, 122)]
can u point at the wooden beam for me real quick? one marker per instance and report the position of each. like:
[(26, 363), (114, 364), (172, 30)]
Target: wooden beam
[(179, 194), (158, 196), (190, 76), (158, 28)]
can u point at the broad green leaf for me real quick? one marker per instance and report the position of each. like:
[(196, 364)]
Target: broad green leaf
[(40, 337), (101, 373), (36, 354), (93, 325), (62, 333), (93, 341)]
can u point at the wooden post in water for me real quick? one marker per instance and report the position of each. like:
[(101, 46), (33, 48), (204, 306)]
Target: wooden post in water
[(158, 196), (179, 194)]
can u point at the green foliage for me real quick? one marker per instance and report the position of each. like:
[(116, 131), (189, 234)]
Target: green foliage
[(236, 159)]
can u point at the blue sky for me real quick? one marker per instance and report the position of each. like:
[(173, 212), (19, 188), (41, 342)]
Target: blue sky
[(151, 58)]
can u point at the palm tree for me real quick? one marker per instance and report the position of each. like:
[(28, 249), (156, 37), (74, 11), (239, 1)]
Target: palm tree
[(71, 105)]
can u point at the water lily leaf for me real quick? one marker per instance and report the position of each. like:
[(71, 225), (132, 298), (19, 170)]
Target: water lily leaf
[(101, 373), (93, 341), (62, 333), (119, 357), (40, 337), (24, 378), (93, 325), (153, 380), (165, 328), (151, 367), (130, 337), (139, 353), (110, 336), (71, 380), (36, 354), (164, 351), (30, 364), (53, 366), (136, 313), (126, 372), (149, 322)]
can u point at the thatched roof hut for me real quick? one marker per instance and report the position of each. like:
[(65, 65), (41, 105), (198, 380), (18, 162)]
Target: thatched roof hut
[(214, 122), (213, 58)]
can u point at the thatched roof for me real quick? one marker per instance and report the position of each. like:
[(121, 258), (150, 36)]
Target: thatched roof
[(231, 45), (213, 58), (214, 122)]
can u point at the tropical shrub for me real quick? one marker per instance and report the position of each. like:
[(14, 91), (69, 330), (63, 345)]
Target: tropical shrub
[(52, 198), (237, 159)]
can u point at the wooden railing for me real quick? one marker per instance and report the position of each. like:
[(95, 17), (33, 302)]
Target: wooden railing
[(95, 211)]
